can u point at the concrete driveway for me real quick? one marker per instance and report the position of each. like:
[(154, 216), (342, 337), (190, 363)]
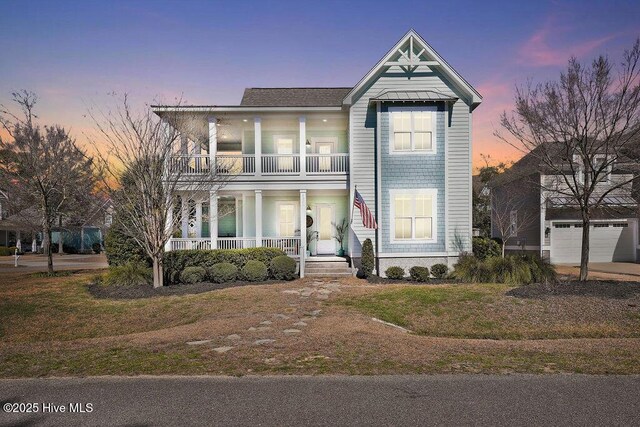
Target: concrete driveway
[(36, 263), (605, 270)]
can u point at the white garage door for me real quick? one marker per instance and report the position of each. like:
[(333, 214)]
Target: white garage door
[(612, 241)]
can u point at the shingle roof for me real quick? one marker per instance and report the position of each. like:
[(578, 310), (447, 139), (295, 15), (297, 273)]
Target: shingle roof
[(294, 96)]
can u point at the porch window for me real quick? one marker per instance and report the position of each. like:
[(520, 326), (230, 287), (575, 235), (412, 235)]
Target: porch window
[(412, 130), (286, 220), (413, 215), (205, 232)]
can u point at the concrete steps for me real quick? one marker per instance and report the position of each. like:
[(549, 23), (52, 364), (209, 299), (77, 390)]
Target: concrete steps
[(332, 267)]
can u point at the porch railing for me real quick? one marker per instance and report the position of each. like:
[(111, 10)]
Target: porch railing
[(328, 163), (235, 164), (181, 244), (236, 242), (280, 163), (290, 245), (190, 164)]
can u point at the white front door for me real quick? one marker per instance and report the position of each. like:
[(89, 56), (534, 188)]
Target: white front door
[(324, 162), (325, 216)]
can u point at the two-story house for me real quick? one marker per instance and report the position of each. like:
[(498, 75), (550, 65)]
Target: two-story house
[(552, 228), (401, 136)]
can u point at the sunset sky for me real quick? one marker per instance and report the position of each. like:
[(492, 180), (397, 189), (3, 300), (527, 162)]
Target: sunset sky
[(73, 54)]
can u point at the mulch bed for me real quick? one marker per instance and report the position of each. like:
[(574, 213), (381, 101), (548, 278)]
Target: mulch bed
[(377, 280), (148, 291), (594, 288)]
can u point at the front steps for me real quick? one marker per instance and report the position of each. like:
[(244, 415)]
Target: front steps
[(326, 267)]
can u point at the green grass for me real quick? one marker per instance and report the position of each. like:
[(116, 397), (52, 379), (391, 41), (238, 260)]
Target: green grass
[(484, 311)]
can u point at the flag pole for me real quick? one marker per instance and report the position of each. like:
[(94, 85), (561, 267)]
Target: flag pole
[(352, 197)]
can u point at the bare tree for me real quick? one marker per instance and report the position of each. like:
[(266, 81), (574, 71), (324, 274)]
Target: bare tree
[(141, 176), (44, 168), (510, 214), (580, 129)]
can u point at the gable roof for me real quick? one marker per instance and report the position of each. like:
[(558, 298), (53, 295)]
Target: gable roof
[(294, 96), (455, 78)]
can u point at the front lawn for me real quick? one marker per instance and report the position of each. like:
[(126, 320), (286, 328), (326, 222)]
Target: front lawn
[(53, 326), (492, 311)]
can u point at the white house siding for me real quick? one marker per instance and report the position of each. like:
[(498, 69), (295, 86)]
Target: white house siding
[(363, 158)]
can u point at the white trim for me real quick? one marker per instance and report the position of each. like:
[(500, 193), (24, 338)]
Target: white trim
[(378, 179), (279, 204), (453, 75), (317, 224), (237, 108), (434, 214), (417, 255), (412, 151), (446, 175), (470, 174)]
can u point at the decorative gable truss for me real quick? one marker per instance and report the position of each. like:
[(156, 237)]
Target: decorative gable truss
[(411, 58)]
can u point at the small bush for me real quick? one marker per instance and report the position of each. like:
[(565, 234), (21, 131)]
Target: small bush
[(130, 274), (222, 272), (193, 275), (5, 251), (439, 271), (368, 260), (484, 248), (513, 270), (96, 247), (254, 271), (396, 273), (283, 268), (419, 274)]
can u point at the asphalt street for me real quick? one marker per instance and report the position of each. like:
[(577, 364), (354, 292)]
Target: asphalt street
[(331, 400)]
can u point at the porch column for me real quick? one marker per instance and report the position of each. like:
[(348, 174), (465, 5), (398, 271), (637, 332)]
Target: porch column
[(303, 146), (199, 218), (213, 218), (303, 230), (258, 218), (257, 126), (213, 143), (169, 225), (245, 216), (185, 217)]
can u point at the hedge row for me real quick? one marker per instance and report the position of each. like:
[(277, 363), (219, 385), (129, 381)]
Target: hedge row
[(176, 261)]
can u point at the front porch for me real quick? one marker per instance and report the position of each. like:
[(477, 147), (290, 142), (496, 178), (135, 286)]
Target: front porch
[(262, 218)]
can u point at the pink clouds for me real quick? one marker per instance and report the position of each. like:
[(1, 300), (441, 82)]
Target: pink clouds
[(544, 49)]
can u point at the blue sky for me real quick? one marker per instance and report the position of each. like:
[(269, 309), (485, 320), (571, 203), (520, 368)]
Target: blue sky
[(74, 53)]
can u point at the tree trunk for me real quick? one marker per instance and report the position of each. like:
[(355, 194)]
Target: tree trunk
[(60, 237), (584, 256), (504, 243), (158, 277), (47, 248)]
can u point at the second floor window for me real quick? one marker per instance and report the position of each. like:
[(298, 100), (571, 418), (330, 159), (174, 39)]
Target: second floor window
[(412, 130)]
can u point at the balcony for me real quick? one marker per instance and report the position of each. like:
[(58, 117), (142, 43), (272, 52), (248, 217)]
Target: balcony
[(270, 164)]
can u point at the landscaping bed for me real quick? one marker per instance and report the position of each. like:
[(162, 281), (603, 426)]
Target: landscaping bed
[(594, 288)]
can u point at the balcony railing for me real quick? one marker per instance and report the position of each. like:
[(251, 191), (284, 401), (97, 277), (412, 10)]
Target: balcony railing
[(235, 164), (236, 242), (181, 244), (271, 164), (328, 163)]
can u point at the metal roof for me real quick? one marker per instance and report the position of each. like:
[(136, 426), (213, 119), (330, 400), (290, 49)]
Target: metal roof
[(412, 95)]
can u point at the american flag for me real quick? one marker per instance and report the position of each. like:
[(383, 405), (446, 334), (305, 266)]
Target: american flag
[(368, 219)]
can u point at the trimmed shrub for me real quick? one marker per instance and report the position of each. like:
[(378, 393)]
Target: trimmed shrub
[(222, 272), (121, 249), (484, 248), (129, 274), (5, 251), (368, 261), (283, 268), (395, 273), (193, 275), (419, 274), (254, 271), (176, 261), (439, 271)]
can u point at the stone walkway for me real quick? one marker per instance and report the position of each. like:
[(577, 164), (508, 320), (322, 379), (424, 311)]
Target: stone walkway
[(294, 322)]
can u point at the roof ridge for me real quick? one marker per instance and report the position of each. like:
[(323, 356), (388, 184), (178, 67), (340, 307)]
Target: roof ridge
[(303, 87)]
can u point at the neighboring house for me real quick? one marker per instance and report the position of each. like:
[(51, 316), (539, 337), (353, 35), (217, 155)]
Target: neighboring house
[(402, 135), (556, 231)]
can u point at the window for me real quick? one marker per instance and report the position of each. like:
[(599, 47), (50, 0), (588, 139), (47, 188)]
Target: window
[(413, 215), (204, 228), (561, 225), (284, 149), (412, 130), (598, 162), (513, 223), (620, 225), (286, 219), (600, 225)]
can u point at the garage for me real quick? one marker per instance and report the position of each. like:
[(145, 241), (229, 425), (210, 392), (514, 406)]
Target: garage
[(610, 241)]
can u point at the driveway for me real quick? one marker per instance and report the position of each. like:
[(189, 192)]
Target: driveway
[(489, 400), (606, 270), (35, 263)]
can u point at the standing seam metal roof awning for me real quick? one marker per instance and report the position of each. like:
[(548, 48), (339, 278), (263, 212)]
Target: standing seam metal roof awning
[(412, 95)]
